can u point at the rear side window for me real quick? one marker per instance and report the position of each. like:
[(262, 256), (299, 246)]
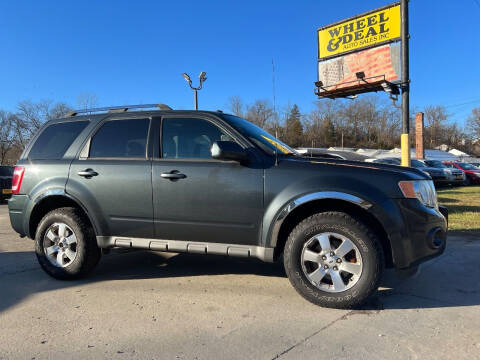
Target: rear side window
[(54, 141), (120, 139)]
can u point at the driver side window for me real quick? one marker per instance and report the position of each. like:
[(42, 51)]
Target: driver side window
[(189, 138)]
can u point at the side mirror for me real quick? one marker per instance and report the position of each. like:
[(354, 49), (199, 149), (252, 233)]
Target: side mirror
[(228, 150)]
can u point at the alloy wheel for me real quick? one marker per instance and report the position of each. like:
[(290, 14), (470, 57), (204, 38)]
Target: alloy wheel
[(60, 244), (331, 262)]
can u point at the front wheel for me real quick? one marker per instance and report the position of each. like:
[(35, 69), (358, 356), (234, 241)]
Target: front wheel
[(65, 244), (334, 260)]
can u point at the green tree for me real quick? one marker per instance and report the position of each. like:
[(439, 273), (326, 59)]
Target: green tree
[(293, 135), (328, 130)]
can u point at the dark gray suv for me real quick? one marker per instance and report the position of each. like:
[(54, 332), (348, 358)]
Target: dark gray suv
[(211, 183)]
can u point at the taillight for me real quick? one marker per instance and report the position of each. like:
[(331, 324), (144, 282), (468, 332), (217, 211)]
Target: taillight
[(17, 179)]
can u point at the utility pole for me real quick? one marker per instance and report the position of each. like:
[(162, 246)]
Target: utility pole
[(405, 143)]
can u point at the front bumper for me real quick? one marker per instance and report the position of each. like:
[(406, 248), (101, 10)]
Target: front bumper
[(440, 179), (474, 179), (424, 235)]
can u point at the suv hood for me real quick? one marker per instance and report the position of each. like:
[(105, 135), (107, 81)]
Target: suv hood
[(413, 173)]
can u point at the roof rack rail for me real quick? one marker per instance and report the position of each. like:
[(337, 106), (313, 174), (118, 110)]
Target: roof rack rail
[(117, 109)]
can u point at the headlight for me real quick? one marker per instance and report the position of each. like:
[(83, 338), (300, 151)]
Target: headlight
[(423, 190), (448, 171)]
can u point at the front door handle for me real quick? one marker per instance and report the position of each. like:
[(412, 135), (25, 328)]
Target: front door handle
[(87, 173), (173, 175)]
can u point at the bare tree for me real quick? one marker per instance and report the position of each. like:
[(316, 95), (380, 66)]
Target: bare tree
[(260, 113), (7, 135), (236, 105), (474, 123), (436, 118), (320, 124), (87, 101), (31, 116)]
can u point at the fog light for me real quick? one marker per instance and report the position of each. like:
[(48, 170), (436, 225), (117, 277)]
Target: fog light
[(436, 238)]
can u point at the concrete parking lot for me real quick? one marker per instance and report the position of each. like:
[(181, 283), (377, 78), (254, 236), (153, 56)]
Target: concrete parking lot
[(150, 305)]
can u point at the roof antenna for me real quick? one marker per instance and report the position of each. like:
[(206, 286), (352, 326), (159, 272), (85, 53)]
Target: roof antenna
[(274, 111), (276, 155)]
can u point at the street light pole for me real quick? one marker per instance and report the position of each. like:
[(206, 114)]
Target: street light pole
[(202, 78), (405, 143)]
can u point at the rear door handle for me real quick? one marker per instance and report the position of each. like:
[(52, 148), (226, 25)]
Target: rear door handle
[(88, 173), (173, 175)]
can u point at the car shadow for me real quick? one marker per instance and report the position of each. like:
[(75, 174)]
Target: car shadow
[(447, 201), (435, 286)]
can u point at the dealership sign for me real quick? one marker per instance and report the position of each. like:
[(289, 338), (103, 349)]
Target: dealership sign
[(367, 30), (360, 54)]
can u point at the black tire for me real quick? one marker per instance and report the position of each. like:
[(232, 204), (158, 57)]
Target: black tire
[(361, 236), (88, 252)]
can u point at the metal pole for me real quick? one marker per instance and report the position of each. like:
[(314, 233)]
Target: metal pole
[(405, 143), (195, 98)]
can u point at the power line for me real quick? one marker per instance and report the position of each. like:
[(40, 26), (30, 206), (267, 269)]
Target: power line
[(477, 100)]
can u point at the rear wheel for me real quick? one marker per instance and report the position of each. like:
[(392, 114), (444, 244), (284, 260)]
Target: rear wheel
[(334, 260), (65, 244)]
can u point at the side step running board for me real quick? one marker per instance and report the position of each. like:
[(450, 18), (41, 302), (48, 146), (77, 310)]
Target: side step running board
[(262, 253)]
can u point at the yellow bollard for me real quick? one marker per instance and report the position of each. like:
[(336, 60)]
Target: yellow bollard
[(405, 145)]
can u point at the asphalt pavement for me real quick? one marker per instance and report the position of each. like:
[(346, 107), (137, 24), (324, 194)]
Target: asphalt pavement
[(152, 305)]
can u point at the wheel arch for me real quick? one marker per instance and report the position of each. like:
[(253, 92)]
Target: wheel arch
[(305, 206), (51, 201)]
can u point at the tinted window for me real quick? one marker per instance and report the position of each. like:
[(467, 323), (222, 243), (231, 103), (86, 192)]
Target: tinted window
[(417, 164), (54, 141), (6, 171), (467, 166), (388, 161), (120, 139), (260, 137), (189, 138), (435, 164)]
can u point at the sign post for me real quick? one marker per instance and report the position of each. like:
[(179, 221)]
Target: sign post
[(405, 143)]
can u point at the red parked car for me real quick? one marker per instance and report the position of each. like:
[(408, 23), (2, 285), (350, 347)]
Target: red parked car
[(472, 173)]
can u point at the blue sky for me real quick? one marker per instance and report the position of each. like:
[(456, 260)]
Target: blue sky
[(135, 51)]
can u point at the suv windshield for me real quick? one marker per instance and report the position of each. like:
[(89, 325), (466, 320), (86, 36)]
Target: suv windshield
[(467, 166), (260, 137), (6, 171), (418, 164), (435, 164)]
